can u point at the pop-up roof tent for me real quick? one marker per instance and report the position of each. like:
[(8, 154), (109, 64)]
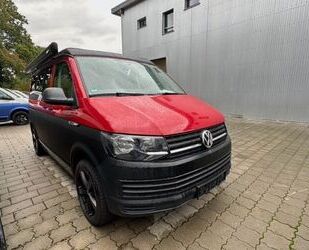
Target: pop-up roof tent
[(52, 52)]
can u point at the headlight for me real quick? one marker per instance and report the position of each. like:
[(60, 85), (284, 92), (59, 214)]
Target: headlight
[(135, 148)]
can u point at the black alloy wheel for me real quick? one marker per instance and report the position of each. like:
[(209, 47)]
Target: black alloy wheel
[(3, 245), (20, 118), (87, 192), (91, 195), (38, 148)]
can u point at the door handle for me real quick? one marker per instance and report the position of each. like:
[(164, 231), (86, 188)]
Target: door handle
[(74, 124)]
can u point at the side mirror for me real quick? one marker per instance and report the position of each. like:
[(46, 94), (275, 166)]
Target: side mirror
[(56, 96)]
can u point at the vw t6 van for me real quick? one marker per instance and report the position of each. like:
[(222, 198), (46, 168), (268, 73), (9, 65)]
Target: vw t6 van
[(134, 141)]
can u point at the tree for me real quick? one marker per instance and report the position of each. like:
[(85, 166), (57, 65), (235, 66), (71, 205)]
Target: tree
[(16, 46)]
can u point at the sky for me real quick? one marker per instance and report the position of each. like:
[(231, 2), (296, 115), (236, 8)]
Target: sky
[(86, 24)]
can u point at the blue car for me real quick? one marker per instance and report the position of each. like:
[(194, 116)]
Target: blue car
[(13, 107)]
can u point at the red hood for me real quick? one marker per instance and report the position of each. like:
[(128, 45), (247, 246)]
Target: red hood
[(152, 115)]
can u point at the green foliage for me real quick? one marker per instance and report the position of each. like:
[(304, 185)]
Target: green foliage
[(21, 84), (16, 47)]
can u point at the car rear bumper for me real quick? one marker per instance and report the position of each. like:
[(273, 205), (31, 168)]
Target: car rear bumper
[(142, 188)]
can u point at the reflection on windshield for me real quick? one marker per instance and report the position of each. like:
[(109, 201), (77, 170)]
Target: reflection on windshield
[(110, 76)]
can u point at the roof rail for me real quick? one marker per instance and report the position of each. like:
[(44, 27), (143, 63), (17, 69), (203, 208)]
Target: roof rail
[(49, 52)]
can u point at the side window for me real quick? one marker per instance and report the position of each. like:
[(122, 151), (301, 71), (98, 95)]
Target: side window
[(63, 80), (4, 96), (40, 80)]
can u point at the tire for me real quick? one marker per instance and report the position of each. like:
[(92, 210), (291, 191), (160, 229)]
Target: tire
[(3, 245), (38, 148), (20, 118), (91, 194)]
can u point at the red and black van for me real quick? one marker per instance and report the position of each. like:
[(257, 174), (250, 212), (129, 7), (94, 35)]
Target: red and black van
[(134, 141)]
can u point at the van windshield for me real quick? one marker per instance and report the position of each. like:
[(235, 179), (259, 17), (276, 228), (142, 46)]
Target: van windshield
[(111, 76)]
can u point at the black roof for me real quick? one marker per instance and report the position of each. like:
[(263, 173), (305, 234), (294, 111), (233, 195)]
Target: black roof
[(86, 52), (51, 52)]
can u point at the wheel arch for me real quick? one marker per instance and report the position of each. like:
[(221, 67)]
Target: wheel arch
[(13, 111), (80, 151)]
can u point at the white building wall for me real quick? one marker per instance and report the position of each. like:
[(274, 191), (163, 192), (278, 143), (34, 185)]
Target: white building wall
[(245, 57)]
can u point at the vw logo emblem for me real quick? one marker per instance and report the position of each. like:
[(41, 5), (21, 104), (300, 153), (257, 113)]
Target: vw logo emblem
[(207, 138)]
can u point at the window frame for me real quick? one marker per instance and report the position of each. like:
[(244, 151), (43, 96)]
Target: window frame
[(188, 6), (140, 21), (165, 29), (53, 83)]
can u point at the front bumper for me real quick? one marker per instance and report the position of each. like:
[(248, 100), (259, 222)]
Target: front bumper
[(142, 188)]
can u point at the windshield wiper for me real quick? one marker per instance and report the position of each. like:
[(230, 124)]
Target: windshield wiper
[(171, 93), (128, 94), (117, 94), (134, 94)]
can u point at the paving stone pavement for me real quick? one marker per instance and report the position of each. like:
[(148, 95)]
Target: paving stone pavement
[(263, 204)]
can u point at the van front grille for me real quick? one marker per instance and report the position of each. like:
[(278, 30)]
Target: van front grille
[(189, 143), (158, 188)]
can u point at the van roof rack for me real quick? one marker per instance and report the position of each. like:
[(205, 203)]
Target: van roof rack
[(52, 51), (49, 52)]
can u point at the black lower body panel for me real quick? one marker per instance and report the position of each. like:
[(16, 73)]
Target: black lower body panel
[(141, 188)]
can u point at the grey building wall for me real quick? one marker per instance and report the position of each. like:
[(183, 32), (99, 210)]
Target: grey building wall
[(245, 57)]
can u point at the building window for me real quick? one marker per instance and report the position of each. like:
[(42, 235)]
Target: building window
[(141, 23), (191, 3), (168, 21)]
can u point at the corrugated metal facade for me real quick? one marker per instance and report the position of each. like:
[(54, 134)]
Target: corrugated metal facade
[(246, 57)]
